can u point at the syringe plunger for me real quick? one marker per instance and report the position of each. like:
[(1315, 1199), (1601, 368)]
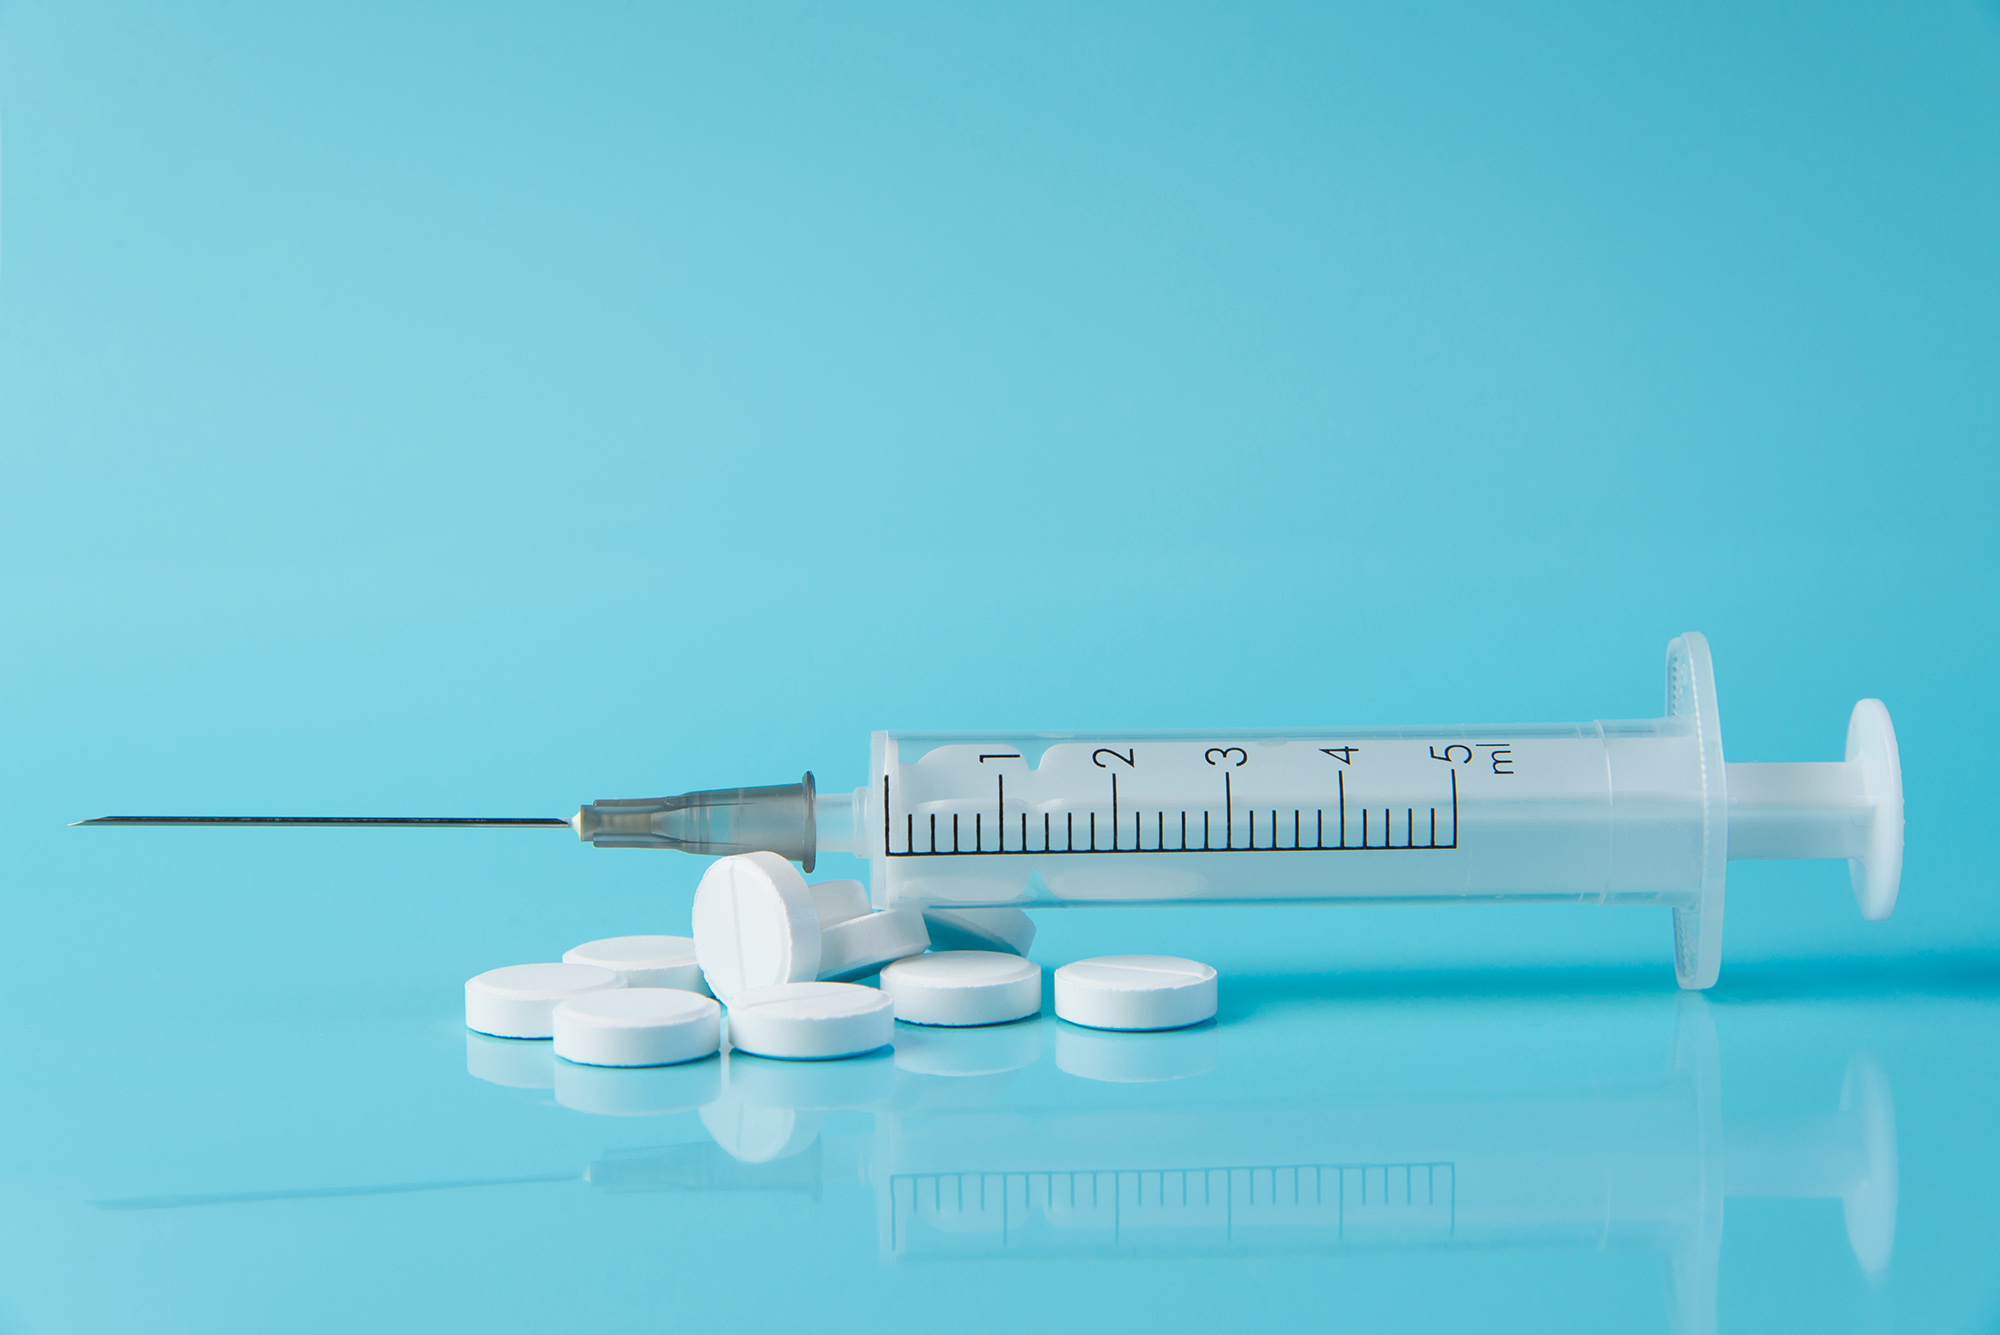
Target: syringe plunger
[(1850, 808)]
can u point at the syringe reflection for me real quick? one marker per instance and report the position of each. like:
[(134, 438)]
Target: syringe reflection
[(1640, 1163), (971, 1148), (962, 1166)]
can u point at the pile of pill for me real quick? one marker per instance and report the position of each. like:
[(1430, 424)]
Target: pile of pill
[(781, 960)]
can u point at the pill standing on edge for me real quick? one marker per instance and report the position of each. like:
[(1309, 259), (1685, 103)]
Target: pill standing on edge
[(860, 946), (963, 987), (1003, 928), (637, 1026), (837, 901), (519, 1001), (811, 1021), (1135, 992), (754, 925), (646, 961)]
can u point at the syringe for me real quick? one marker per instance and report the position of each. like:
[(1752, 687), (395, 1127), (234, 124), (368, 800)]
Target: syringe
[(1613, 812)]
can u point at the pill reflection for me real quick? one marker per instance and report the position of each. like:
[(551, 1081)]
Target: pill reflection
[(1136, 1058), (960, 1167), (513, 1062), (958, 1172), (645, 1091)]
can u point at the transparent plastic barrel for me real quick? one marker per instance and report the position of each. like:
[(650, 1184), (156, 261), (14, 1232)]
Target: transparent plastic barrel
[(1603, 812)]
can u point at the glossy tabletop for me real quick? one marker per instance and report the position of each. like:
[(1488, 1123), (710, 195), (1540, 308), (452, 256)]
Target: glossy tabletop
[(475, 411), (1578, 1150)]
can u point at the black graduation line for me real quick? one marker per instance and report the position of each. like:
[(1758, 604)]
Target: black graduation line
[(1298, 843)]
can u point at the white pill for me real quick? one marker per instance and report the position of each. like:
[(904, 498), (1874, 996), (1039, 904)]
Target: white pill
[(646, 961), (520, 1000), (963, 987), (754, 925), (861, 946), (811, 1021), (1135, 992), (980, 929), (638, 1026), (837, 901)]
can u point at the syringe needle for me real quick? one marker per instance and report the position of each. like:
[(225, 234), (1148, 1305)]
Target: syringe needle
[(714, 822), (467, 822)]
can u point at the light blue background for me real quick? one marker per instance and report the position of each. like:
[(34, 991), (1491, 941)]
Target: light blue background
[(479, 410)]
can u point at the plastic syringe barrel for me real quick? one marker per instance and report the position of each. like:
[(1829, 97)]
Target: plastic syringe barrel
[(716, 821), (1636, 811), (1609, 812)]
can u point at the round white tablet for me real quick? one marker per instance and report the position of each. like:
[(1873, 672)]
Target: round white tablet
[(980, 929), (646, 961), (962, 987), (837, 901), (520, 1000), (861, 946), (1135, 992), (754, 924), (638, 1026), (811, 1021)]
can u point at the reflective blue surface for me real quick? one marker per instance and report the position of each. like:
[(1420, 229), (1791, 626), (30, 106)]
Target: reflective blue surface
[(423, 410), (1580, 1152)]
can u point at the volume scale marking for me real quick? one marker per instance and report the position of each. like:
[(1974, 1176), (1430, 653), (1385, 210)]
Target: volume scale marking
[(1354, 829)]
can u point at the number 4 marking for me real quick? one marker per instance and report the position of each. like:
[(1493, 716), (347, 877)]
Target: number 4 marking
[(1344, 754)]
